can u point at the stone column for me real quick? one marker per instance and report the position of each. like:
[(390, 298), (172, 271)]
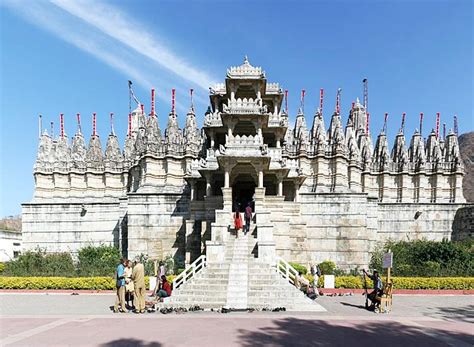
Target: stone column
[(226, 178), (212, 139), (278, 142), (280, 187), (297, 191), (260, 178), (193, 190), (208, 184)]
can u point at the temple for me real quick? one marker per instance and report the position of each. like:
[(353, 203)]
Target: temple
[(320, 192)]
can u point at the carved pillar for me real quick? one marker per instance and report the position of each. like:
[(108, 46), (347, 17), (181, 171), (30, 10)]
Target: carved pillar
[(280, 187), (278, 142)]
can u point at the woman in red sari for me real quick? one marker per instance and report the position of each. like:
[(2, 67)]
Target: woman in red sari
[(237, 222)]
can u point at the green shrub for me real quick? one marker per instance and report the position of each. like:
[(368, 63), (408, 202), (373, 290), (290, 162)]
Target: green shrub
[(79, 283), (327, 267), (2, 267), (299, 267), (428, 258), (98, 260), (39, 263)]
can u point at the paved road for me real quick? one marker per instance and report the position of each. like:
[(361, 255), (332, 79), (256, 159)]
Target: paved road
[(85, 320)]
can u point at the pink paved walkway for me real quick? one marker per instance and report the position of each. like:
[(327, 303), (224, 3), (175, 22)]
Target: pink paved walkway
[(232, 330)]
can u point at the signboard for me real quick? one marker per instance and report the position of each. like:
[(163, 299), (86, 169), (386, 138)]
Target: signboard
[(387, 260), (329, 281)]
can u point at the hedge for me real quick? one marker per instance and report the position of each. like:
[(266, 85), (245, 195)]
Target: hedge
[(355, 282), (92, 283), (349, 282)]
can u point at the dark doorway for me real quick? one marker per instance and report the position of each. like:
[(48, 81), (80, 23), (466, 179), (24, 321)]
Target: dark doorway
[(243, 192)]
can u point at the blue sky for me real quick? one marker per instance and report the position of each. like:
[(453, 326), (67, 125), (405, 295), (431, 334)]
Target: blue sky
[(68, 57)]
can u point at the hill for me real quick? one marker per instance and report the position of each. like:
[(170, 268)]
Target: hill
[(11, 223)]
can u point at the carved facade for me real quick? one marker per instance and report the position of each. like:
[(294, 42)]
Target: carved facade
[(318, 192)]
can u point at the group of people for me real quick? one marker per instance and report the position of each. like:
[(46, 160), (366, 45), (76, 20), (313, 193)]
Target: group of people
[(238, 223), (303, 284), (130, 286)]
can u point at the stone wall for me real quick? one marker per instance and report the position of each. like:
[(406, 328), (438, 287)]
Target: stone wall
[(62, 227), (404, 222), (337, 227), (156, 225)]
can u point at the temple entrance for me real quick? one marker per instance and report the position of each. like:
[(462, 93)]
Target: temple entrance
[(243, 191)]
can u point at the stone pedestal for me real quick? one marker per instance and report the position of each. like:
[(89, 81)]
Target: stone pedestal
[(215, 252)]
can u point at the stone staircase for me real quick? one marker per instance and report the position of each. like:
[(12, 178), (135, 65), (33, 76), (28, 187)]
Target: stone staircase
[(241, 281)]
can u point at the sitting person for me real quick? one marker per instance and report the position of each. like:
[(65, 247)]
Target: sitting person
[(301, 282), (165, 289), (374, 296)]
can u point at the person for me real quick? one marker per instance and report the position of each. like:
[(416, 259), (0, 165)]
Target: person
[(378, 288), (120, 287), (301, 282), (165, 290), (316, 272), (248, 218), (237, 222), (129, 286), (138, 277), (161, 273), (162, 270)]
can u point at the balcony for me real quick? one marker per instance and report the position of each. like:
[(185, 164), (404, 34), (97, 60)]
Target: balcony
[(245, 106)]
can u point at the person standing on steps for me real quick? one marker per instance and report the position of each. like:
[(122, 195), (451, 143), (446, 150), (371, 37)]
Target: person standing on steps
[(237, 219), (138, 276), (248, 218)]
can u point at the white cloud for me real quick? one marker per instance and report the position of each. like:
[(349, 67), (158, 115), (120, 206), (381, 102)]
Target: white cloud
[(111, 21), (99, 44)]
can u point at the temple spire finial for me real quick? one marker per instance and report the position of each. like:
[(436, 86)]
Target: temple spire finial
[(191, 91), (112, 132), (61, 123), (338, 100), (78, 115), (40, 125), (152, 102), (321, 96), (173, 100)]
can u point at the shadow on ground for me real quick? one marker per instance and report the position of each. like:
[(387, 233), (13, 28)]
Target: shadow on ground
[(305, 332), (352, 305), (464, 314), (130, 342)]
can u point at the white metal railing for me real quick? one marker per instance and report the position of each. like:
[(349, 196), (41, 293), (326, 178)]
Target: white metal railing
[(189, 272), (287, 271)]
